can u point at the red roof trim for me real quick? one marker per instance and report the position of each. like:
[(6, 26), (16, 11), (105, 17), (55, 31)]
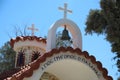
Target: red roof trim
[(23, 38), (28, 70)]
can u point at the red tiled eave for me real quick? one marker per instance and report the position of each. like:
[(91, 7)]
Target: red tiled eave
[(23, 38), (9, 73), (27, 71)]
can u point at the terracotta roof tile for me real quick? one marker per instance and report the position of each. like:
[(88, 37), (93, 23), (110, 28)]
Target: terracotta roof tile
[(27, 71), (9, 73), (23, 38)]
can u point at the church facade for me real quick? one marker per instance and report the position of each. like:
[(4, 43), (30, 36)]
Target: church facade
[(40, 59)]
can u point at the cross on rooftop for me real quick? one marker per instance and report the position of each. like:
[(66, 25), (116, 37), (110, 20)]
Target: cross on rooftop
[(65, 10), (33, 29)]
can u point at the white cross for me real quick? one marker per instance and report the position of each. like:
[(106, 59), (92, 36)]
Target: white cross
[(65, 10), (33, 29)]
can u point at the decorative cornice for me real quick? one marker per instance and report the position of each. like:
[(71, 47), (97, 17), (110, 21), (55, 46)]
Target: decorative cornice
[(27, 70), (24, 38)]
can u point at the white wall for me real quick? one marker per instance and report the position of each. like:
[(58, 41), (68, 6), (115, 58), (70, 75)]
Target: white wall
[(71, 26)]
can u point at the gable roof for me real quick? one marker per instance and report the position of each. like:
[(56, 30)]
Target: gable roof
[(27, 71)]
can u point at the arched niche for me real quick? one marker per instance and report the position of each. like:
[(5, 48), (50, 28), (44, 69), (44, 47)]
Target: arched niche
[(66, 64), (71, 70), (71, 27)]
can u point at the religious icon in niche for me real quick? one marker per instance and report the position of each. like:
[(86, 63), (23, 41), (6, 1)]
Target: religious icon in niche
[(20, 59), (48, 76), (35, 55)]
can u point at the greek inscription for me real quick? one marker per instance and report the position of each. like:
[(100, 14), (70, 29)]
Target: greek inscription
[(66, 56)]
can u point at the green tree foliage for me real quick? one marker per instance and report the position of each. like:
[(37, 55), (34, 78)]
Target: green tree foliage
[(7, 57), (118, 78), (107, 21), (7, 54)]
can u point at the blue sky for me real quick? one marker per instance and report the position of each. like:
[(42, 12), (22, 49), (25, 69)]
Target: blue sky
[(43, 13)]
